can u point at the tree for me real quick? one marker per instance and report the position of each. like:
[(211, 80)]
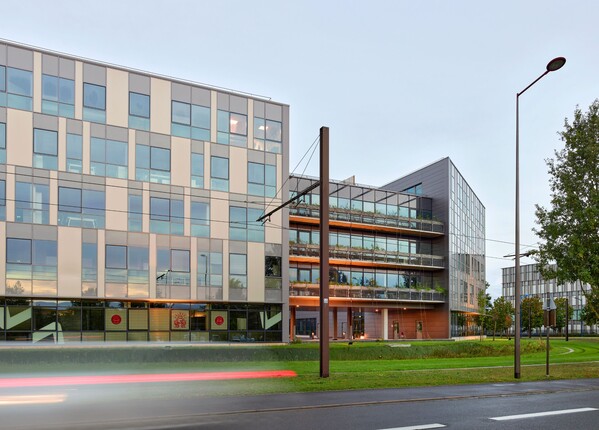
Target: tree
[(569, 229), (501, 315), (589, 315), (461, 320), (484, 309), (560, 313), (532, 313)]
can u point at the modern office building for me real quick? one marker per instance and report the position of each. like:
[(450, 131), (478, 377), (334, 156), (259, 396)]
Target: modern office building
[(128, 205), (534, 285), (405, 259)]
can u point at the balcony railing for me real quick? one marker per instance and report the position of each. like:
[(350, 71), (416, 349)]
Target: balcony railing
[(369, 255), (373, 293), (348, 215)]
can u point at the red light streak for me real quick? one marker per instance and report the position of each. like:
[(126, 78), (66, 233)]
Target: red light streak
[(52, 381)]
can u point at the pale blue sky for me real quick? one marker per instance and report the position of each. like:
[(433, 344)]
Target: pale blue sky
[(400, 83)]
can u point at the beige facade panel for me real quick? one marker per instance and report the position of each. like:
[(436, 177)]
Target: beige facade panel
[(213, 115), (255, 259), (219, 215), (79, 90), (19, 137), (272, 231), (238, 170), (193, 268), (69, 262), (180, 161), (145, 202), (225, 270), (2, 258), (62, 144), (117, 97), (160, 106), (250, 130), (37, 82), (86, 154), (116, 204)]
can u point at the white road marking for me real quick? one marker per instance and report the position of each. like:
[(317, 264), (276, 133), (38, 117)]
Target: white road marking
[(32, 400), (542, 414), (419, 427)]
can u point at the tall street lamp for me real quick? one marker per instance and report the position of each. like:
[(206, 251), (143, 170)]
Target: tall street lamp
[(552, 66)]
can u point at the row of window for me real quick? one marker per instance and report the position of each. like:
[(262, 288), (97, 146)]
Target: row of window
[(362, 277), (34, 261), (187, 120), (362, 241), (86, 208), (152, 164)]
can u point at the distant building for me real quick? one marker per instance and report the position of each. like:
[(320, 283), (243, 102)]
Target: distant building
[(405, 260), (534, 285)]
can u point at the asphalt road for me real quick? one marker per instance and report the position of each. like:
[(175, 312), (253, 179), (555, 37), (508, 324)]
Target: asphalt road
[(574, 405)]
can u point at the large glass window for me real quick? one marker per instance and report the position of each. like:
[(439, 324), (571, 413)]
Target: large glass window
[(166, 216), (94, 103), (89, 269), (243, 225), (210, 269), (32, 203), (109, 158), (2, 86), (31, 266), (272, 272), (173, 267), (45, 149), (237, 271), (58, 96), (152, 164), (74, 153), (262, 179), (197, 170), (127, 265), (268, 135), (135, 212), (232, 128), (81, 208), (200, 219), (2, 143), (19, 88), (219, 174), (191, 121), (139, 111)]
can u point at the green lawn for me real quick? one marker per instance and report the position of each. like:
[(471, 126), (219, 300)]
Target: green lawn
[(358, 366)]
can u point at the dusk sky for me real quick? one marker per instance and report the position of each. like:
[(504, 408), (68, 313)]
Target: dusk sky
[(401, 84)]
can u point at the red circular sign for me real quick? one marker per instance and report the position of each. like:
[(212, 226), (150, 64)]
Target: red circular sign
[(116, 319), (219, 320)]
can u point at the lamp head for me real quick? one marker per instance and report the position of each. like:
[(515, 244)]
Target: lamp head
[(556, 64)]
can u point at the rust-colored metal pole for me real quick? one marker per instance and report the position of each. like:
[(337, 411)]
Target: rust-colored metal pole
[(324, 252)]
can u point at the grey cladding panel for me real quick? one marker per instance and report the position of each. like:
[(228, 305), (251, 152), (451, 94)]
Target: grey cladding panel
[(274, 112), (66, 68), (258, 109), (74, 126), (46, 122), (3, 55), (181, 92), (94, 74), (49, 65), (139, 84), (19, 58), (200, 96), (223, 101), (238, 104), (117, 133), (98, 130)]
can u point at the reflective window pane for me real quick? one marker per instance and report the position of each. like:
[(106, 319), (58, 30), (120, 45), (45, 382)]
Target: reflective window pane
[(179, 260), (159, 209), (160, 159), (74, 146), (139, 105), (94, 96), (116, 152), (50, 87), (20, 82), (69, 199), (44, 253), (142, 156), (238, 264), (181, 113), (45, 142), (220, 167), (197, 164), (238, 123), (18, 251), (138, 258), (116, 257), (200, 116), (66, 91)]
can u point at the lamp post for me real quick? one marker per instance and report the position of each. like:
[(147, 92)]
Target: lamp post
[(552, 66)]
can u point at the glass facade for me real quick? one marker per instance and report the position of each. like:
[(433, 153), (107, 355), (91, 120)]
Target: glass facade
[(126, 196)]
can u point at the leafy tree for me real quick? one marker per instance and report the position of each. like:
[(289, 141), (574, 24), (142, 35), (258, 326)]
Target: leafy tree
[(461, 320), (589, 315), (484, 309), (569, 229), (532, 313), (501, 315), (560, 313)]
